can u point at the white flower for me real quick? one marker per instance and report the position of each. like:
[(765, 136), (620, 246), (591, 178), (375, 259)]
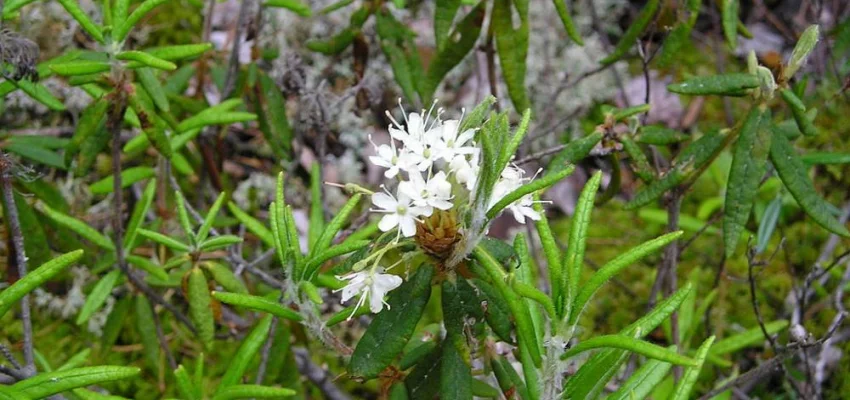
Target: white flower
[(452, 142), (372, 283), (465, 171), (386, 156), (437, 192), (522, 208), (399, 212)]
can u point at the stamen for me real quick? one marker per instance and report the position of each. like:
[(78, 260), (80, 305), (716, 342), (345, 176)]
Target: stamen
[(397, 125)]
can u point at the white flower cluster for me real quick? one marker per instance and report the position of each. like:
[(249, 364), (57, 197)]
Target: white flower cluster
[(436, 164)]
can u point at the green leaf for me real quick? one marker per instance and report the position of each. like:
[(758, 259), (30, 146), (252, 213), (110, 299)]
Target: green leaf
[(332, 228), (793, 173), (391, 329), (594, 374), (292, 5), (129, 176), (19, 289), (639, 162), (47, 384), (40, 93), (444, 15), (348, 246), (164, 240), (78, 14), (146, 59), (498, 313), (607, 271), (258, 303), (247, 350), (798, 110), (729, 14), (146, 328), (115, 321), (524, 325), (637, 27), (747, 338), (253, 391), (90, 121), (271, 114), (531, 187), (225, 277), (317, 213), (38, 154), (219, 242), (81, 67), (455, 373), (252, 224), (659, 135), (178, 52), (734, 84), (200, 307), (215, 118), (631, 344), (768, 223), (574, 152), (147, 266), (140, 210), (567, 21), (183, 216), (641, 383), (121, 31), (98, 296), (823, 158), (79, 227), (574, 258), (150, 83), (335, 44), (509, 380), (689, 378), (184, 384), (512, 47), (749, 164), (12, 6), (462, 40), (36, 245), (804, 46), (204, 229)]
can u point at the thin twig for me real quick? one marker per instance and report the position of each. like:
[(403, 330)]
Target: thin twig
[(163, 342), (21, 257), (317, 375), (265, 353)]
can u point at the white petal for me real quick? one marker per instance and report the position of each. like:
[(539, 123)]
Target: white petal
[(441, 204), (384, 201), (388, 222), (408, 226)]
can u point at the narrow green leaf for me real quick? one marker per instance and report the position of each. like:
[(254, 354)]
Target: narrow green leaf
[(47, 384), (146, 328), (37, 154), (329, 233), (225, 277), (164, 240), (41, 94), (804, 46), (574, 152), (219, 242), (148, 266), (462, 40), (574, 258), (90, 121), (271, 115), (643, 19), (641, 383), (455, 373), (567, 21), (204, 229), (79, 227), (659, 135), (151, 84), (729, 15), (200, 307), (184, 384), (295, 6), (146, 59), (178, 52), (253, 391), (391, 329), (794, 175), (689, 378), (726, 84), (218, 118), (798, 110), (317, 210), (824, 158), (82, 67), (335, 251), (140, 210), (749, 164), (747, 338), (247, 350), (85, 22), (768, 223), (129, 176), (143, 9), (19, 289), (512, 47), (252, 224), (631, 344), (616, 265), (98, 296), (257, 303), (444, 15)]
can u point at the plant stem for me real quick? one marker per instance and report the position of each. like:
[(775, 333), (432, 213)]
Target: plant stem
[(21, 258)]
